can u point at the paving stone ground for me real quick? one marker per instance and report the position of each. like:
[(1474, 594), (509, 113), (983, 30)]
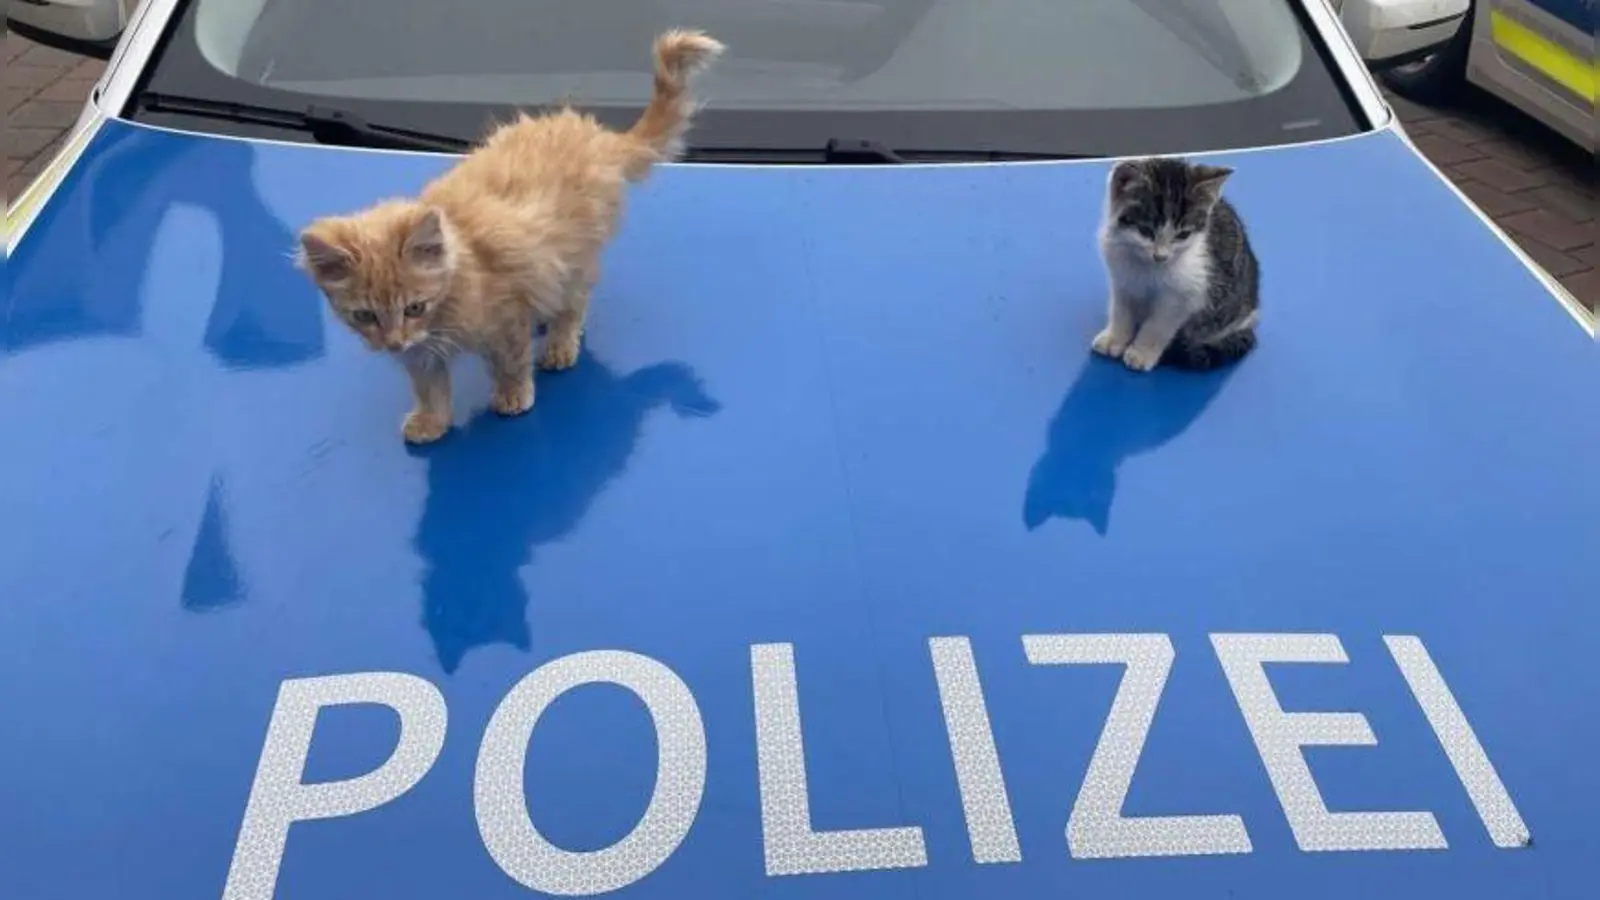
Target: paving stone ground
[(1538, 187), (44, 92)]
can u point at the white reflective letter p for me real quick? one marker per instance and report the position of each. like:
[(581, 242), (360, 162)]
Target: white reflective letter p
[(278, 798)]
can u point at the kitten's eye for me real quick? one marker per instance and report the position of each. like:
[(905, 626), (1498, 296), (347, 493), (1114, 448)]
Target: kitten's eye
[(413, 310), (1125, 221), (1147, 231), (364, 317), (1184, 234)]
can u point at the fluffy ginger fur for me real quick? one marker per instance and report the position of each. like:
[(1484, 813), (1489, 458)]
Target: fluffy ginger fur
[(507, 240)]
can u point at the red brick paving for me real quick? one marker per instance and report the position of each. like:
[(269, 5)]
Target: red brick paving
[(44, 92), (1539, 188)]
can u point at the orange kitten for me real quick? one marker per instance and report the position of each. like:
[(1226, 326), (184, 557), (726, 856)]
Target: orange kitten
[(508, 239)]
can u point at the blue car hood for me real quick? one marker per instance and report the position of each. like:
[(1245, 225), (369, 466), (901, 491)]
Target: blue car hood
[(771, 552)]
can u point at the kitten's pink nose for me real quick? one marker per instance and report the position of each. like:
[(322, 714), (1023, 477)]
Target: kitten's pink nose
[(1161, 254), (395, 342)]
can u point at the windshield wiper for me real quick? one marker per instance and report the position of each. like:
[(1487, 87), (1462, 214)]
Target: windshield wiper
[(843, 152), (325, 124), (856, 152)]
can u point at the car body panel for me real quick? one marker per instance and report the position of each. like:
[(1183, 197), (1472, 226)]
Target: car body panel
[(1540, 56), (843, 409), (1580, 14)]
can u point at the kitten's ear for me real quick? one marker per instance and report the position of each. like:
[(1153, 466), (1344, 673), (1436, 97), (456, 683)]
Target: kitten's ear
[(324, 259), (1124, 175), (426, 246), (1207, 180)]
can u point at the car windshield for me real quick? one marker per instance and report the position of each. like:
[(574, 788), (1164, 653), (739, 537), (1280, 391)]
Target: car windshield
[(1070, 77)]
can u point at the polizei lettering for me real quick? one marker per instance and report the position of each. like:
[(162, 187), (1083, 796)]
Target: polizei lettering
[(1095, 827)]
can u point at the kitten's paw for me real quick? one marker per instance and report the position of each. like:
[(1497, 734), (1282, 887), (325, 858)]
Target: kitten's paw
[(1139, 359), (513, 401), (424, 428), (559, 355), (1107, 343)]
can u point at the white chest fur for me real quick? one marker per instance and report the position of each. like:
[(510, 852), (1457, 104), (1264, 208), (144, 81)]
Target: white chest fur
[(1184, 278)]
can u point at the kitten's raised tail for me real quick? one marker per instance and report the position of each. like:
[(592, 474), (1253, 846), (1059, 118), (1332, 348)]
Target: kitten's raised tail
[(680, 55)]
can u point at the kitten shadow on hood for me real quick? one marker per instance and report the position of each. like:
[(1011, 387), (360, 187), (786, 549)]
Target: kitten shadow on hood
[(499, 489), (1109, 415)]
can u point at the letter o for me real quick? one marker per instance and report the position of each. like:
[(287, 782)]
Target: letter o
[(501, 805)]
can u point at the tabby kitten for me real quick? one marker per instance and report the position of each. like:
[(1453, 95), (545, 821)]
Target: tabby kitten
[(1184, 282), (509, 239)]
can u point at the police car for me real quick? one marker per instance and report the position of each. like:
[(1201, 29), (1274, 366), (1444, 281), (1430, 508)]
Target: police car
[(839, 567), (1538, 55)]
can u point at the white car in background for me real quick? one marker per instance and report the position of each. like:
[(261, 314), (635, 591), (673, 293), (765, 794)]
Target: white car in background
[(91, 27), (1537, 55)]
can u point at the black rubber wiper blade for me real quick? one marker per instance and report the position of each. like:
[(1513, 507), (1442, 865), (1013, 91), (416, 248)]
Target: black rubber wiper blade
[(855, 152), (936, 156), (325, 124), (837, 151)]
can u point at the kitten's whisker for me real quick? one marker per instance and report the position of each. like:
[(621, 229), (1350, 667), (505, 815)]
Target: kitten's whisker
[(449, 340), (441, 352)]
